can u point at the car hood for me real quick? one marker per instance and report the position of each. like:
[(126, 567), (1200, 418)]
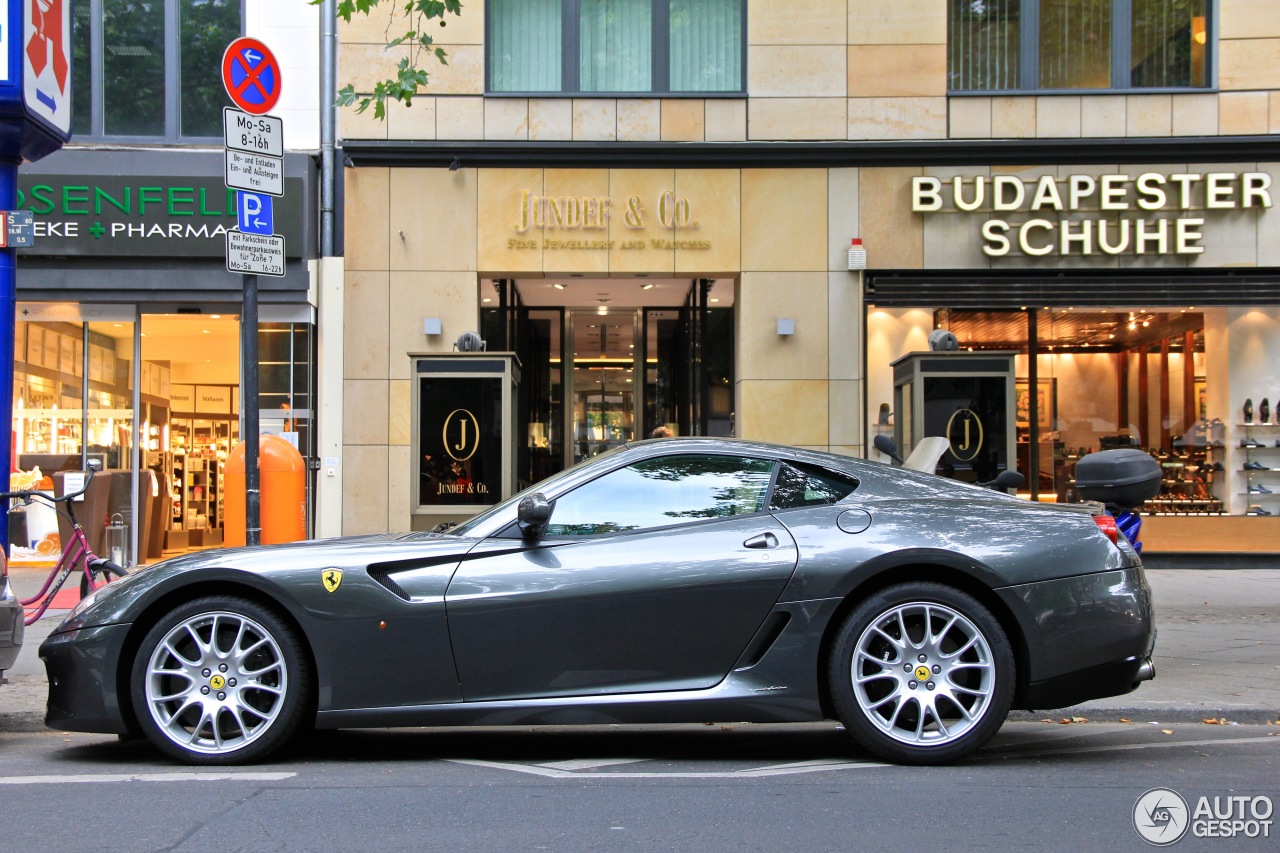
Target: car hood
[(261, 565)]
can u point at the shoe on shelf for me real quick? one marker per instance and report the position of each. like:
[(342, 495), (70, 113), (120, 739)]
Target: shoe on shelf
[(1251, 442), (1248, 410), (1264, 410), (1217, 466), (1259, 489), (1254, 465), (1254, 509)]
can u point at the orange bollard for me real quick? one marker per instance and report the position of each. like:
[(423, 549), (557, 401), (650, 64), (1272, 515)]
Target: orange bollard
[(282, 477)]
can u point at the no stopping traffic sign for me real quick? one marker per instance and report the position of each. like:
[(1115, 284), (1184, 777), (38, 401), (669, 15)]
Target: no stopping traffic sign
[(251, 75)]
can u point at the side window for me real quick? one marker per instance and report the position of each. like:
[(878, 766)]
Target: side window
[(802, 485), (661, 492)]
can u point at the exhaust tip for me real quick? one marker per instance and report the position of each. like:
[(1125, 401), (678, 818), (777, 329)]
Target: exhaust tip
[(1146, 672)]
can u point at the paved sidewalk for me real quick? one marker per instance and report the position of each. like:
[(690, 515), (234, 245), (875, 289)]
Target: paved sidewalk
[(1217, 655)]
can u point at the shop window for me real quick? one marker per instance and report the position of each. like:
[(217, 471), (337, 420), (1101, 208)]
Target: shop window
[(1069, 45), (616, 46), (150, 70)]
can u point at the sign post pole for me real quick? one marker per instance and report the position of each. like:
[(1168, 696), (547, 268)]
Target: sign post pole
[(251, 76), (8, 321), (249, 400)]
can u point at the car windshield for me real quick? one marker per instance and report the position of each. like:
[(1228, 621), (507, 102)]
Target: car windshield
[(465, 528)]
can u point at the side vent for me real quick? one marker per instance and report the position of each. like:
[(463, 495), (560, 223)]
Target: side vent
[(764, 639), (382, 575)]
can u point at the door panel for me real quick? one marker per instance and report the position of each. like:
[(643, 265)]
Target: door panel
[(666, 609)]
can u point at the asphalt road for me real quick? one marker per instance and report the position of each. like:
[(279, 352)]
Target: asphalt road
[(1041, 786)]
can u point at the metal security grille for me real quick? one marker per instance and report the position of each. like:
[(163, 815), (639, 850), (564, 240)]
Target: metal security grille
[(1017, 289)]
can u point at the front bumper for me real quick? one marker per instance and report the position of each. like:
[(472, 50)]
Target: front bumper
[(1089, 636), (83, 666), (11, 627)]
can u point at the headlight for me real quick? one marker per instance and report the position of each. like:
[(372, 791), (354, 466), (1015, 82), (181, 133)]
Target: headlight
[(84, 604)]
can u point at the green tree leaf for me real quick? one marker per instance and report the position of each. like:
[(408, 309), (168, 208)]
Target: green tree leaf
[(410, 76)]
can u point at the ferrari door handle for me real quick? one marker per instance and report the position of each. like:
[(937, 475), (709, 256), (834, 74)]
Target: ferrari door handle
[(764, 540)]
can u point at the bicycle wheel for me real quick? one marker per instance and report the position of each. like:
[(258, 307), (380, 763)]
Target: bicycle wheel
[(101, 573)]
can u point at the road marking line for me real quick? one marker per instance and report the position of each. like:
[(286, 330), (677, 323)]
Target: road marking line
[(754, 772), (1125, 746), (145, 777), (588, 763)]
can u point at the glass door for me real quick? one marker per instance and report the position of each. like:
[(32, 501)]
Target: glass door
[(603, 384)]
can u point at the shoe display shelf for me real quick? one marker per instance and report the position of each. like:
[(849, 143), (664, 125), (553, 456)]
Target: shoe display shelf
[(1261, 446), (1186, 486)]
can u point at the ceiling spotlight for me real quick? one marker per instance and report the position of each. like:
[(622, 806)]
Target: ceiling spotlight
[(1146, 323), (647, 287), (1132, 325), (558, 286)]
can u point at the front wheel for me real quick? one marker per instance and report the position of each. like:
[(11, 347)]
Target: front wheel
[(101, 573), (220, 680), (921, 673)]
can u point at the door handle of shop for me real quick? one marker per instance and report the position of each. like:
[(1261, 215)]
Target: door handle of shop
[(764, 540)]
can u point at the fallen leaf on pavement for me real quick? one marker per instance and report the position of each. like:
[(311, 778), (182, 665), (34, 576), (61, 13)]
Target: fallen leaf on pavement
[(1167, 731), (1210, 721), (1125, 720), (1047, 720), (1079, 720)]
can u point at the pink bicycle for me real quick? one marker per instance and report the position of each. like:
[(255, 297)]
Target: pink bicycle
[(94, 571)]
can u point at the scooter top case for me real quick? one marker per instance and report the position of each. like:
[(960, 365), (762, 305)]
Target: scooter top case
[(1124, 477)]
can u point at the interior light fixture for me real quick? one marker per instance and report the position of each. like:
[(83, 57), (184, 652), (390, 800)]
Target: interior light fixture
[(558, 286), (648, 287)]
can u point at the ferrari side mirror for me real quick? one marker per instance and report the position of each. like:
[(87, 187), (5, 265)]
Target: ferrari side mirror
[(533, 514)]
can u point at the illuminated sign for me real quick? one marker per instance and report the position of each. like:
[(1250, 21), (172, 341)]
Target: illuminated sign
[(1037, 222)]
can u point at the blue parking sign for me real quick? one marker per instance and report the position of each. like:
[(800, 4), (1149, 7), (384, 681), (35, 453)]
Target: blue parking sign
[(253, 213)]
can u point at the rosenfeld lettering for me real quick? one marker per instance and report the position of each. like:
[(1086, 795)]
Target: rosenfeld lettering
[(1139, 235)]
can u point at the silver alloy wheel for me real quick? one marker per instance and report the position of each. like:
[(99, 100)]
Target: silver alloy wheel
[(216, 682), (923, 674)]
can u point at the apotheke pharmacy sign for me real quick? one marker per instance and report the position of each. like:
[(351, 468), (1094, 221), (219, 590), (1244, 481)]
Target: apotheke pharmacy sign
[(1029, 230)]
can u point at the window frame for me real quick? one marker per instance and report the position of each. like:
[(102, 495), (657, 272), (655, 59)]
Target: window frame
[(1121, 56), (571, 58), (172, 81)]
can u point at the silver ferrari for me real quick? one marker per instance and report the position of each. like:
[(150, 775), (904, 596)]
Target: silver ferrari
[(676, 580)]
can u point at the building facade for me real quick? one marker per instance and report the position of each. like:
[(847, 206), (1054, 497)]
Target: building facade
[(653, 204), (127, 346)]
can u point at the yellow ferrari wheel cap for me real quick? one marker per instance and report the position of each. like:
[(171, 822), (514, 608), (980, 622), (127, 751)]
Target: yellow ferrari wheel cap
[(922, 673), (217, 682), (332, 579)]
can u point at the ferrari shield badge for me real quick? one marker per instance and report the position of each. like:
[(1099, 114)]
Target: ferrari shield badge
[(332, 579)]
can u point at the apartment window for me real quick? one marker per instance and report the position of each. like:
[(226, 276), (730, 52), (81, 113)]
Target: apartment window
[(616, 47), (150, 70), (1065, 45)]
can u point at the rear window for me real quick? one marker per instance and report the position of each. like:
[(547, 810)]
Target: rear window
[(800, 485)]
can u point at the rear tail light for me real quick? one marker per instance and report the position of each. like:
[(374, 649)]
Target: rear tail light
[(1107, 525)]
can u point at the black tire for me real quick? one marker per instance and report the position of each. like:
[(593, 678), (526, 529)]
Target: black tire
[(919, 701), (239, 708), (102, 574)]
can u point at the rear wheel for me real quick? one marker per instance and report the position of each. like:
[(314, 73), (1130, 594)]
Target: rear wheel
[(922, 673), (220, 680)]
